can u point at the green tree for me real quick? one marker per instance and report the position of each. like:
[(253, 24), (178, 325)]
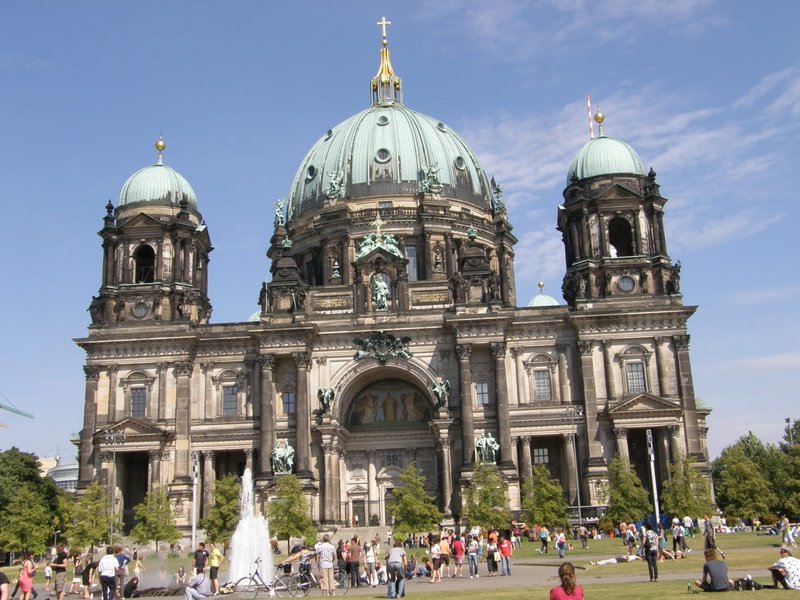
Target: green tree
[(25, 522), (627, 499), (687, 491), (412, 509), (543, 499), (89, 523), (288, 512), (223, 516), (485, 503), (742, 489), (155, 522)]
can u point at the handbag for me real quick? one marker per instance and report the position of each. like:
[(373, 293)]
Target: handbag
[(497, 557)]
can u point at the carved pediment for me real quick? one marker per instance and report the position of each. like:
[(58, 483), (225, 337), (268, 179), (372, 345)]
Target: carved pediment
[(644, 405), (380, 256), (141, 220), (357, 489), (618, 192), (133, 429)]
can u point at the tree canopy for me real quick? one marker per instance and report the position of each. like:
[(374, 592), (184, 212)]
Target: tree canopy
[(485, 502), (155, 522), (411, 507), (686, 493), (742, 489), (25, 522), (288, 512), (89, 519), (543, 499), (223, 516), (627, 499)]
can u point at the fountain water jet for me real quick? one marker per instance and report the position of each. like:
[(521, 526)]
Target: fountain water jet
[(251, 539)]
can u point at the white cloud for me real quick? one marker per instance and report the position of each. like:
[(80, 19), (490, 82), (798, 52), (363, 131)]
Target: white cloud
[(774, 362), (766, 85), (765, 296)]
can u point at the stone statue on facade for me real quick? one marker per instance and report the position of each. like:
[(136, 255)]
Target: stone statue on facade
[(325, 396), (372, 240), (487, 448), (283, 458), (498, 206), (262, 297), (280, 205), (335, 185), (96, 311), (442, 392), (380, 293), (429, 182)]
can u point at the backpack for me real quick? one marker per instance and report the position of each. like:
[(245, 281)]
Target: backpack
[(650, 540)]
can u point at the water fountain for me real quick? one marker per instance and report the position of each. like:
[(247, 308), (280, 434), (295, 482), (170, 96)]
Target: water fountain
[(251, 539)]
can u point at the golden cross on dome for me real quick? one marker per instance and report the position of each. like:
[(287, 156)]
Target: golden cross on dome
[(383, 23), (378, 222)]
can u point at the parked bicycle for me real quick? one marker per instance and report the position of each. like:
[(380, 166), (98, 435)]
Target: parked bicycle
[(301, 583), (251, 585)]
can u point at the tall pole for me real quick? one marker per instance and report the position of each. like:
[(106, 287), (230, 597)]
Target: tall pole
[(195, 462), (789, 429), (652, 454)]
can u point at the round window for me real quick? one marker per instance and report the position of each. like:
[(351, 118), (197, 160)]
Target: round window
[(460, 163), (626, 283), (383, 120), (383, 155), (441, 126), (140, 310), (311, 172)]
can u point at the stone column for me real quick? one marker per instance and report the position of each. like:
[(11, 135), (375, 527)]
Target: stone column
[(86, 471), (267, 419), (527, 463), (662, 367), (183, 373), (663, 451), (503, 419), (251, 385), (608, 367), (686, 390), (621, 434), (571, 456), (522, 396), (464, 352), (248, 458), (302, 361), (595, 448), (153, 469), (563, 375), (112, 371), (372, 485), (556, 383), (162, 390), (209, 481), (448, 251), (447, 476), (675, 441), (329, 490)]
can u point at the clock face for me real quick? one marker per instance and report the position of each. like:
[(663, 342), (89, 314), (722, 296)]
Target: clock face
[(626, 283), (140, 310)]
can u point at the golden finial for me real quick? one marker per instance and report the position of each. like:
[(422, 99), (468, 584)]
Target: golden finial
[(541, 287), (160, 146), (599, 117), (386, 85), (382, 24)]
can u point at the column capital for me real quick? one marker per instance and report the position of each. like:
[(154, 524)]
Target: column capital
[(206, 367), (464, 351), (248, 452), (106, 457), (267, 361), (302, 359), (498, 350), (162, 367), (662, 340), (112, 369), (322, 360), (681, 342), (703, 431), (673, 430), (586, 347), (620, 433), (208, 454), (183, 368), (91, 373), (444, 443)]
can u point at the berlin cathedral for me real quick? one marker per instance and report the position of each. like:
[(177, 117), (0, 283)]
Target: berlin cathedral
[(389, 332)]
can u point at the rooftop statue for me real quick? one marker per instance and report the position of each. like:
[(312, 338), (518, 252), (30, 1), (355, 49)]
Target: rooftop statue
[(429, 182), (280, 205), (498, 206), (336, 185)]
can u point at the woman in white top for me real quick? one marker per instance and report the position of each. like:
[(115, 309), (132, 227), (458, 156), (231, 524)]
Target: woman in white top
[(107, 567), (436, 559), (369, 562)]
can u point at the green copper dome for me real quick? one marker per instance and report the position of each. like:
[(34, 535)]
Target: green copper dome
[(604, 156), (382, 151), (157, 184)]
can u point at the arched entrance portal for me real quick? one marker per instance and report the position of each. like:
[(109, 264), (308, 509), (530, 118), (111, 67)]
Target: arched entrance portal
[(386, 427)]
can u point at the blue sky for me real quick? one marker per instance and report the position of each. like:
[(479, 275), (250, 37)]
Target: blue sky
[(707, 91)]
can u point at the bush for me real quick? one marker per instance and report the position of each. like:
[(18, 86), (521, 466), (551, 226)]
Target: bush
[(770, 519), (606, 525)]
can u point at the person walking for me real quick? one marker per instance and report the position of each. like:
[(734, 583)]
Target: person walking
[(107, 567), (370, 559), (327, 558), (26, 576), (77, 573), (396, 563), (492, 557), (650, 548), (506, 550), (354, 560), (708, 533), (473, 550)]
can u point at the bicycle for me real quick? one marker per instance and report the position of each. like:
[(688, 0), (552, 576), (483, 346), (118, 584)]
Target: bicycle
[(249, 586), (301, 583)]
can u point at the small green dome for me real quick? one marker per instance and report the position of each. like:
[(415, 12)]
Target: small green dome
[(255, 317), (604, 156), (157, 184), (541, 300)]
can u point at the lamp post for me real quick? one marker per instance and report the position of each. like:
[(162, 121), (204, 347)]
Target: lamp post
[(55, 541), (114, 438), (571, 415), (789, 429)]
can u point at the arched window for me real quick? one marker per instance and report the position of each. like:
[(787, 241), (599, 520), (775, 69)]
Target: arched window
[(145, 264), (620, 237)]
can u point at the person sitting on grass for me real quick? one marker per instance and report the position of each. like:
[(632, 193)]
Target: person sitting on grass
[(715, 574), (786, 570)]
